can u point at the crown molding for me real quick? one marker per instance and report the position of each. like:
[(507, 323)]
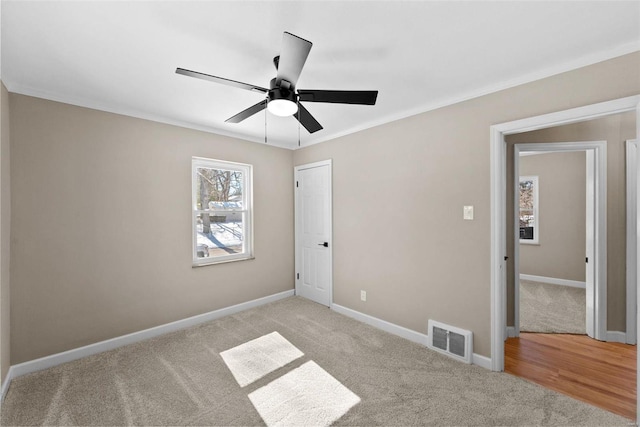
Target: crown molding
[(527, 78)]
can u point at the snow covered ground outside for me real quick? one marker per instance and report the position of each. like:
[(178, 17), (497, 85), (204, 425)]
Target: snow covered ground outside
[(223, 234)]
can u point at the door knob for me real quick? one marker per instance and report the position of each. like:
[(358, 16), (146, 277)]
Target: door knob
[(325, 244)]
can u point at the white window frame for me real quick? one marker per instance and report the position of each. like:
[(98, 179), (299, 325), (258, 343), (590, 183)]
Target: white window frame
[(536, 210), (247, 211)]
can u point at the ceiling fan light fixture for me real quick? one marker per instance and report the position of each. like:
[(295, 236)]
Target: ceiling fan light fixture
[(282, 99), (282, 107)]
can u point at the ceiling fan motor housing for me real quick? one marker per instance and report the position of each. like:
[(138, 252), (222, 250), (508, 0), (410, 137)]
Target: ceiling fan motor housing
[(283, 91)]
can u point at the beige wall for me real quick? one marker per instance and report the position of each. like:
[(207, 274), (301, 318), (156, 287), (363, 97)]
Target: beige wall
[(562, 205), (429, 262), (101, 226), (101, 219), (5, 226), (614, 129)]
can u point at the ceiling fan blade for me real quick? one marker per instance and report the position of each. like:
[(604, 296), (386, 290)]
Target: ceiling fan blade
[(307, 120), (221, 80), (361, 97), (248, 112), (292, 58)]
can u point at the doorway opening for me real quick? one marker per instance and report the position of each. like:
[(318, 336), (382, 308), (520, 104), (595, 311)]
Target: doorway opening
[(551, 282), (499, 253), (571, 250)]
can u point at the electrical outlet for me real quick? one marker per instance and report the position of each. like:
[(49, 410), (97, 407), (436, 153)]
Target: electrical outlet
[(363, 295)]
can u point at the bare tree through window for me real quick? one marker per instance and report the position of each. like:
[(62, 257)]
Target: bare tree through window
[(528, 208), (221, 209)]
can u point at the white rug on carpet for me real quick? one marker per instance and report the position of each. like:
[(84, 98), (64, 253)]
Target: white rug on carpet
[(306, 396), (254, 359)]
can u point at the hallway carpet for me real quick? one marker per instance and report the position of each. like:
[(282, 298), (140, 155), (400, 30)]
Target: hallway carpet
[(547, 308)]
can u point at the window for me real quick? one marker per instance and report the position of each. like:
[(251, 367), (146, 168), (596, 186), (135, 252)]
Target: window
[(221, 211), (528, 214)]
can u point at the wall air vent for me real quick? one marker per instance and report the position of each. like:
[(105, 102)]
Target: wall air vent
[(454, 342)]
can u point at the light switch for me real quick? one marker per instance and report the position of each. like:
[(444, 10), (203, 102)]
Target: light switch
[(468, 212)]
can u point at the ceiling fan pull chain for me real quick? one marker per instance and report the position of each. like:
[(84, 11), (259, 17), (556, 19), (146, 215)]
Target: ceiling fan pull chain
[(298, 101), (265, 125)]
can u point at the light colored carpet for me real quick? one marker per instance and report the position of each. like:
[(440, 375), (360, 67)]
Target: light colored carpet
[(306, 396), (552, 308), (181, 379), (254, 359)]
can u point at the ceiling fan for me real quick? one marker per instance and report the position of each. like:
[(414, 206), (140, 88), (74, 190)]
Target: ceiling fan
[(282, 97)]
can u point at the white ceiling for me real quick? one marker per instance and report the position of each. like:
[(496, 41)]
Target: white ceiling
[(121, 56)]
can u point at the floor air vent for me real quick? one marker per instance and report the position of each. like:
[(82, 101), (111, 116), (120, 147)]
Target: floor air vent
[(454, 342)]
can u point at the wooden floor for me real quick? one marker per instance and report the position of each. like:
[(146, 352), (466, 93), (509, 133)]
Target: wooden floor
[(599, 373)]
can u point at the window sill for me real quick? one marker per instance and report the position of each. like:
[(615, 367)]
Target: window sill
[(529, 242), (222, 261)]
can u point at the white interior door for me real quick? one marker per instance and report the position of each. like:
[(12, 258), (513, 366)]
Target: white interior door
[(313, 232)]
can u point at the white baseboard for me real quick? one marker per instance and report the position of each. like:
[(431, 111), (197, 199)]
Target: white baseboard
[(616, 336), (554, 281), (482, 361), (392, 328), (511, 331), (5, 384), (401, 331), (113, 343)]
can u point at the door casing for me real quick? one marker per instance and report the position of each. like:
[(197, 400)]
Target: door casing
[(632, 244), (498, 202)]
